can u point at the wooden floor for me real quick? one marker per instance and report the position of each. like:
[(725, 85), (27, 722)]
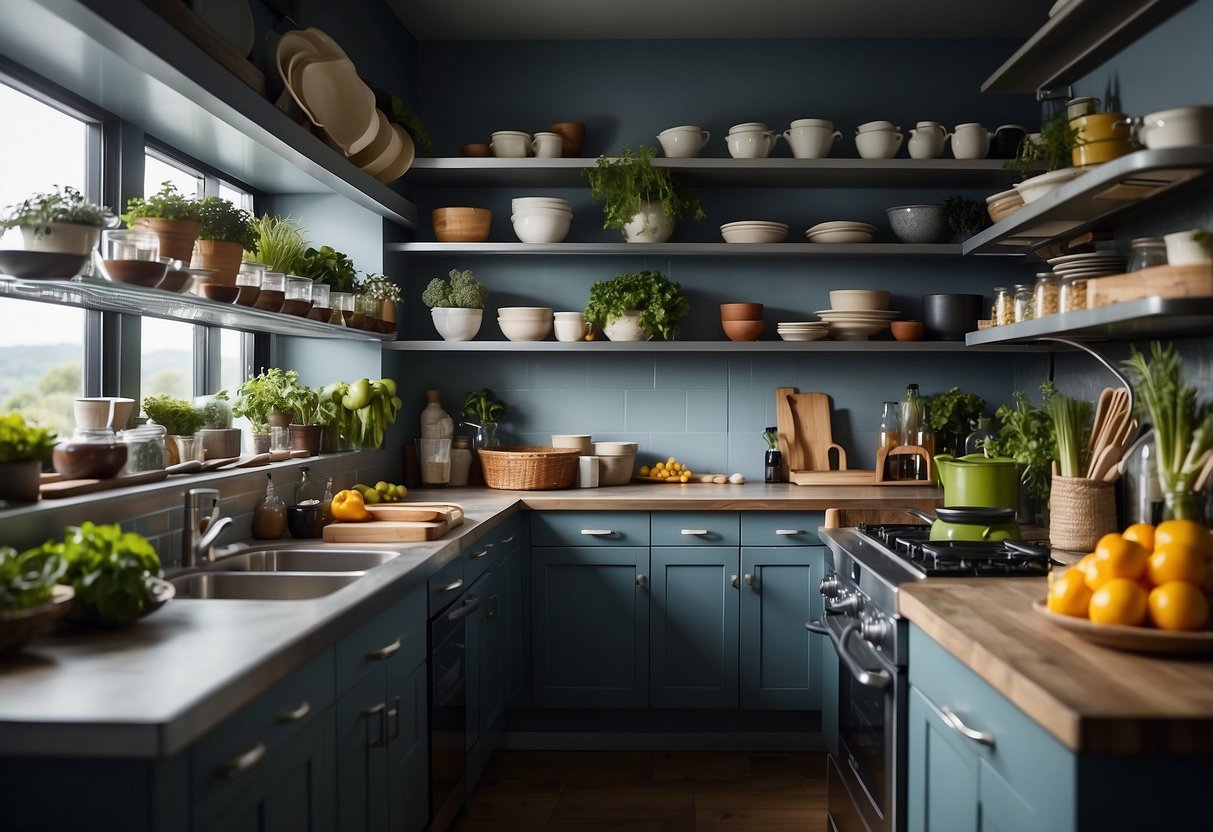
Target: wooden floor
[(589, 791)]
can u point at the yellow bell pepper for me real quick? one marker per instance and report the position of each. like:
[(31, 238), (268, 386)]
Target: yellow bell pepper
[(348, 506)]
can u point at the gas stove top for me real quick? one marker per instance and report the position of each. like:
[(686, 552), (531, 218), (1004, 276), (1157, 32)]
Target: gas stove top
[(911, 544)]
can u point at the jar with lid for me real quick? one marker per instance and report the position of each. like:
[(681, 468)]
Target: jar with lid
[(1145, 252), (1044, 296), (1023, 302), (1004, 306), (461, 460), (145, 449), (91, 453), (269, 520), (1072, 294)]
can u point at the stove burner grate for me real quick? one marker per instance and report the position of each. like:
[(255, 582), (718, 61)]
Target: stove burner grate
[(959, 558)]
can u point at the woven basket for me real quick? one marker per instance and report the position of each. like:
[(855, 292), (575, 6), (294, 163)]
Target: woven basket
[(1081, 511), (529, 467)]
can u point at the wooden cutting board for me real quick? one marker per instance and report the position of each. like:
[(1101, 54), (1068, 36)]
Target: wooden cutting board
[(1195, 281), (786, 426), (813, 434), (853, 476), (71, 488), (385, 531), (451, 513)]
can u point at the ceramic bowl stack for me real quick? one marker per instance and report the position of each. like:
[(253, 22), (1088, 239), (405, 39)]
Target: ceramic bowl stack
[(754, 231), (525, 323), (1089, 265), (541, 219), (857, 314), (615, 462), (1003, 204), (803, 330), (841, 231)]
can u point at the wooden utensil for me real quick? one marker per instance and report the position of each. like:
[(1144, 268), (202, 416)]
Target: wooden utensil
[(72, 488), (811, 415), (1097, 421), (418, 512), (786, 425), (1202, 479)]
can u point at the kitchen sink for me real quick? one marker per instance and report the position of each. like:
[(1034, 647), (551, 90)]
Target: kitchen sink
[(261, 586), (303, 560)]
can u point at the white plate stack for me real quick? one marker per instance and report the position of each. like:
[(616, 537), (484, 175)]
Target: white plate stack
[(1091, 264), (841, 231), (803, 330), (754, 231), (857, 314)]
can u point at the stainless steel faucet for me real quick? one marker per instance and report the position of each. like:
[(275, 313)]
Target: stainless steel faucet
[(203, 525)]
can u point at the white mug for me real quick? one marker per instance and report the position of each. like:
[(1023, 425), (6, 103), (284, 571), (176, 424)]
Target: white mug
[(878, 144), (571, 326), (587, 472), (510, 144), (811, 138), (683, 142), (751, 144), (547, 145), (970, 141), (927, 140)]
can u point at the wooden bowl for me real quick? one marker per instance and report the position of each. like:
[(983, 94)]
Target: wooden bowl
[(744, 330), (741, 312), (476, 149), (461, 225), (907, 330), (220, 292)]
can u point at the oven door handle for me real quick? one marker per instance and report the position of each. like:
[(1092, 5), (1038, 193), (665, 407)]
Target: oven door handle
[(879, 679), (817, 627), (470, 603)]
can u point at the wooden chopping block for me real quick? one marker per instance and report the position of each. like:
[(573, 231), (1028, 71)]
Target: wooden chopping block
[(1194, 281), (71, 488), (811, 415), (449, 513), (385, 531), (786, 427), (853, 476)]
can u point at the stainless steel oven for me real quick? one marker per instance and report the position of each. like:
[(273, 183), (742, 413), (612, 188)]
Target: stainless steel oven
[(448, 709)]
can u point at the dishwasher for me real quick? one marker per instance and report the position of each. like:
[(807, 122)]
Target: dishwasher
[(449, 703)]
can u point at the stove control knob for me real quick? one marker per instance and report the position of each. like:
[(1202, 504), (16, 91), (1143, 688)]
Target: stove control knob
[(850, 605), (875, 630), (829, 587)]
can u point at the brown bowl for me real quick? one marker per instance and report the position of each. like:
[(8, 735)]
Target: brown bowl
[(907, 330), (147, 273), (476, 149), (741, 311), (247, 295), (220, 292), (573, 135), (744, 330), (176, 280), (461, 225)]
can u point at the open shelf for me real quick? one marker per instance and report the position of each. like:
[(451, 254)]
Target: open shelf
[(697, 346), (679, 249), (135, 300), (1093, 198), (129, 60), (1146, 318), (1076, 40), (730, 173)]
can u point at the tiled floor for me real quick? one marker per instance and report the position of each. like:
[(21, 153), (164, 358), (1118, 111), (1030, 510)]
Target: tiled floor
[(589, 791)]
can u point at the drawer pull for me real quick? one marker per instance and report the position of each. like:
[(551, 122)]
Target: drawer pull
[(508, 538), (481, 553), (954, 722), (381, 711), (786, 532), (750, 582), (452, 586), (733, 581), (384, 653), (294, 716), (598, 532), (242, 763), (694, 532), (394, 715), (641, 580)]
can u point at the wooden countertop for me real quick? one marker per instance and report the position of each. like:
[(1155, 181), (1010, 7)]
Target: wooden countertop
[(1093, 699)]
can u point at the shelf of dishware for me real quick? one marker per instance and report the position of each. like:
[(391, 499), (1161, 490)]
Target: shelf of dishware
[(90, 293), (1094, 198), (700, 346), (1146, 318), (719, 172), (1076, 40), (680, 249), (132, 62)]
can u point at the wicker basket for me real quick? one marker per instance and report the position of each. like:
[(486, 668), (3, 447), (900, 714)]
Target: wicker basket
[(529, 467), (1080, 513)]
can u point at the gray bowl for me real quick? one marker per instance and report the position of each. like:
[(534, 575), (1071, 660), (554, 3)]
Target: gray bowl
[(919, 223)]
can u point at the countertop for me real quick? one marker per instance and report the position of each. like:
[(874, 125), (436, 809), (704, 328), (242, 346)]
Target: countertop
[(1091, 698)]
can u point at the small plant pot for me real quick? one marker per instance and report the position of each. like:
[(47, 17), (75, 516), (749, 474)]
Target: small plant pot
[(455, 324), (63, 237), (306, 438), (625, 328), (649, 225), (176, 236), (279, 418), (222, 256), (261, 443), (20, 481), (220, 443)]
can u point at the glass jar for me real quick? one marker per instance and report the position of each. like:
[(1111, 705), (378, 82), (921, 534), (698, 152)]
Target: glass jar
[(320, 311), (369, 307), (1004, 306), (132, 257), (298, 296), (1145, 252), (342, 304), (248, 280), (144, 448), (217, 410), (273, 292), (1023, 302), (91, 453), (1045, 295), (890, 438), (1072, 294), (461, 460)]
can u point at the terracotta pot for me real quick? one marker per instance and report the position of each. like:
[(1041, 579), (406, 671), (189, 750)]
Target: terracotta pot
[(387, 313), (20, 481), (279, 418), (222, 256), (176, 236), (306, 438)]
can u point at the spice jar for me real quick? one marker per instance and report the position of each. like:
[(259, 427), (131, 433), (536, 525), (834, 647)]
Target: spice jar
[(1023, 302), (1145, 252), (1072, 294), (1004, 306), (1044, 296), (144, 448)]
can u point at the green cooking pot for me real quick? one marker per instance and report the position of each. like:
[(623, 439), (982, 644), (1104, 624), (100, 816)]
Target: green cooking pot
[(970, 523), (977, 480)]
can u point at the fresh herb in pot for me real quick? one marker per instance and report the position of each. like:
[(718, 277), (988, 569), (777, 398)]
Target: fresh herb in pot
[(955, 412), (1054, 148), (65, 205), (1071, 425), (26, 579), (216, 411), (178, 416), (165, 204), (623, 182), (1026, 436), (660, 303), (482, 407), (966, 217), (224, 222), (278, 244), (463, 291), (327, 265), (379, 287), (21, 441), (265, 393)]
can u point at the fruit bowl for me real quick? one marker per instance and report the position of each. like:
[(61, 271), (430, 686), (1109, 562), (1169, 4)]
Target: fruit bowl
[(1133, 639)]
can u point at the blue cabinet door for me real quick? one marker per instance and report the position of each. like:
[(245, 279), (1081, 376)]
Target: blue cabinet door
[(693, 627), (362, 754), (942, 768), (514, 613), (780, 659), (486, 708), (408, 752), (589, 626)]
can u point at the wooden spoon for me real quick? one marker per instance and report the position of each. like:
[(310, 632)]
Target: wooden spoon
[(1101, 409)]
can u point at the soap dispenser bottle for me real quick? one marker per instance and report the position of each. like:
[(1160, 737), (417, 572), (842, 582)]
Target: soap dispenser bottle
[(269, 520)]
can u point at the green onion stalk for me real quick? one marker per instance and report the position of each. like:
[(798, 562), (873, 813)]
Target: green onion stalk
[(1071, 423)]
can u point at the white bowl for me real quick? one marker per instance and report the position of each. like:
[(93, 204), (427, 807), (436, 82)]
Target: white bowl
[(1035, 187), (580, 441), (845, 300), (542, 227), (806, 335), (615, 448), (540, 202), (869, 126), (525, 313), (757, 234), (841, 235), (457, 324), (525, 330), (1180, 127), (1183, 250)]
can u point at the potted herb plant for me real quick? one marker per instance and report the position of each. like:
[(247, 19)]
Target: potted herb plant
[(642, 201), (278, 243), (379, 288), (965, 216), (226, 231), (953, 414), (483, 410), (171, 216), (635, 307), (264, 400), (61, 220), (181, 421), (456, 304), (23, 449), (311, 412), (329, 266), (219, 439), (1026, 436)]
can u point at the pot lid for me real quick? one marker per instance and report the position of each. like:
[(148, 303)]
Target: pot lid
[(975, 514)]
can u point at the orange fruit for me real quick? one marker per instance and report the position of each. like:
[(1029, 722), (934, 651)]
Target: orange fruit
[(1142, 533), (1187, 533), (1115, 557), (1069, 593), (1178, 605), (1173, 562), (1084, 564), (1119, 601)]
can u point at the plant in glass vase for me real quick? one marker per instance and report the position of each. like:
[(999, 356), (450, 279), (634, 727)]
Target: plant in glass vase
[(226, 231), (171, 216), (642, 201), (635, 307), (61, 220), (483, 411)]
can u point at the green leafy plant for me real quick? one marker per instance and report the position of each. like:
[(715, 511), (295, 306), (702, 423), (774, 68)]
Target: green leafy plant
[(661, 303), (953, 413), (1071, 425), (21, 441), (966, 216), (267, 392), (327, 265), (1026, 436), (178, 416), (165, 204), (224, 222), (363, 409), (112, 571), (278, 244), (216, 411), (463, 291), (64, 204), (622, 183), (26, 579), (379, 287), (1052, 151), (482, 407)]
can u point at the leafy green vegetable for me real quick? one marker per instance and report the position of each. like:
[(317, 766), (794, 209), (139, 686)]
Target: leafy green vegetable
[(363, 410), (178, 416), (26, 579), (463, 292), (966, 216), (622, 183), (165, 204), (661, 303), (1071, 424), (1054, 149), (60, 205), (955, 411), (1026, 435), (22, 442), (483, 407), (223, 221), (327, 265)]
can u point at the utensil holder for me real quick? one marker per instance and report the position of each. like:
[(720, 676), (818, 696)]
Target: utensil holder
[(1081, 511)]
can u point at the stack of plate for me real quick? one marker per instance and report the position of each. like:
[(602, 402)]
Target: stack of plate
[(803, 330), (1091, 264), (323, 81), (754, 231), (856, 325), (841, 231)]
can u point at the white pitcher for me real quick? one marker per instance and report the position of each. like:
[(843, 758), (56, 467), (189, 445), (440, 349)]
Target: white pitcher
[(927, 140), (971, 141), (751, 144)]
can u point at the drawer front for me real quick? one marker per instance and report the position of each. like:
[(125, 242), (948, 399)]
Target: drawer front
[(398, 631), (481, 556), (781, 528), (590, 528), (508, 536), (696, 528), (446, 584)]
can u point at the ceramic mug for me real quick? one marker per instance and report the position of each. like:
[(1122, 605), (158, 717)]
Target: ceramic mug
[(683, 142), (587, 472), (927, 140), (111, 412), (751, 144), (878, 144), (571, 326), (970, 141), (547, 145), (811, 138), (510, 144)]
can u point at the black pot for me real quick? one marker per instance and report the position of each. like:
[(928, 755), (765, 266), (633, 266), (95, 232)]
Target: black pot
[(949, 317), (305, 520), (1005, 144)]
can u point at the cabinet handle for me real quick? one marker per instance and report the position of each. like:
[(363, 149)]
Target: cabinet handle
[(294, 716), (598, 532), (384, 653), (242, 763), (508, 538), (641, 580), (481, 553), (394, 714), (733, 581), (879, 679), (750, 582), (786, 532), (379, 709), (954, 722), (452, 586), (470, 604), (693, 532)]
